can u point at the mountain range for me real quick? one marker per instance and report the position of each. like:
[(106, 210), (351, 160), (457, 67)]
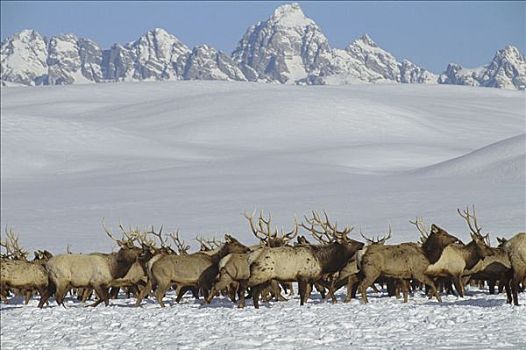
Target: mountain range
[(287, 48)]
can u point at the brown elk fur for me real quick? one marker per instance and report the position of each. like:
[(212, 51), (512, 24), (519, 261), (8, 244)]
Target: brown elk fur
[(300, 263), (22, 275), (194, 270), (456, 258), (516, 249), (95, 271), (402, 261)]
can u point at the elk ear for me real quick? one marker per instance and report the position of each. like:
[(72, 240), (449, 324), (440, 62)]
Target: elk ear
[(434, 228)]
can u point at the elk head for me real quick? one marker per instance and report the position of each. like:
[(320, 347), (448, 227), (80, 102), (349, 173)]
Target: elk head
[(481, 241)]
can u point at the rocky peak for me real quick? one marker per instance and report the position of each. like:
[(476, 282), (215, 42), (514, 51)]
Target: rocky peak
[(506, 70), (365, 39), (23, 58), (286, 48), (207, 63), (290, 15)]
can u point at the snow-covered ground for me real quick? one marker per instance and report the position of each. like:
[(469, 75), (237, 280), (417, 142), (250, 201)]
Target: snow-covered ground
[(479, 321), (194, 154)]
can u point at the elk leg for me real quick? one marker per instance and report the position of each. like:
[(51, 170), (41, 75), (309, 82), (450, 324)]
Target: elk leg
[(256, 290), (302, 287), (491, 286), (114, 292), (180, 291), (276, 290), (102, 295), (458, 286), (351, 281), (291, 287), (405, 289), (320, 288), (44, 296), (27, 296), (160, 292), (369, 277), (241, 293), (514, 291), (60, 294), (509, 298), (428, 281), (233, 289), (146, 290)]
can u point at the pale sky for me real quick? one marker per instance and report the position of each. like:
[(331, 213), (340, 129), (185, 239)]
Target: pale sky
[(431, 34)]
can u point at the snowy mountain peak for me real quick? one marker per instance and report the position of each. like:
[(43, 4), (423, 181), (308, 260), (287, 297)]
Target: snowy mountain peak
[(366, 40), (23, 58), (290, 15), (286, 48), (26, 35), (506, 70)]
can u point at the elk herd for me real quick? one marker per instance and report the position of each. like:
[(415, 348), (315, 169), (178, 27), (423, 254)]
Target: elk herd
[(147, 266)]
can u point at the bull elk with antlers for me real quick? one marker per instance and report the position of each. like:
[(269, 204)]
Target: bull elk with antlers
[(304, 264), (16, 273), (96, 271), (456, 258)]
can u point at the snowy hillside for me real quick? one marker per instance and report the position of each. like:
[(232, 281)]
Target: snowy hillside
[(288, 48), (194, 155)]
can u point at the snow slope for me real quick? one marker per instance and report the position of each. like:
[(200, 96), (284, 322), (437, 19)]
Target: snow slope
[(193, 155)]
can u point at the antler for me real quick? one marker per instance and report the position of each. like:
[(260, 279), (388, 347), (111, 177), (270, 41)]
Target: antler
[(378, 240), (12, 246), (205, 247), (471, 220), (207, 244), (259, 230), (181, 247), (128, 238), (420, 225), (329, 232), (266, 234), (159, 235)]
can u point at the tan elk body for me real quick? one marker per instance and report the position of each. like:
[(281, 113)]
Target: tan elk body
[(192, 270), (23, 275), (456, 257), (516, 249), (402, 261)]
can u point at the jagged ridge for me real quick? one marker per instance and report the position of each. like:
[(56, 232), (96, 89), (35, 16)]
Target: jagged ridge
[(287, 48)]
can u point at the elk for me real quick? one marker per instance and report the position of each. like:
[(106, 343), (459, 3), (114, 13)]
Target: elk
[(302, 263), (96, 271), (192, 270), (433, 242), (350, 274), (272, 237), (493, 268), (516, 249), (18, 273), (401, 261), (456, 258), (24, 276)]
